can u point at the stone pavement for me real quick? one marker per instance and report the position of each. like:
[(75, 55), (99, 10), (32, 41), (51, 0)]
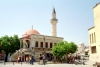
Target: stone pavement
[(10, 64)]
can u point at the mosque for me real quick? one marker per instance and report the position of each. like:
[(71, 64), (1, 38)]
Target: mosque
[(33, 43)]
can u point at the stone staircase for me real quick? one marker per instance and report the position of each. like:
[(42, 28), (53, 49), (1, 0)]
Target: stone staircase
[(18, 53)]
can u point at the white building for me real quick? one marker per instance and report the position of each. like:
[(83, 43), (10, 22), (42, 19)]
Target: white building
[(82, 48), (94, 35)]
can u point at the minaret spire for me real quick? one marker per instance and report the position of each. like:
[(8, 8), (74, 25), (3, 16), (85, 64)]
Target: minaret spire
[(54, 12), (54, 23)]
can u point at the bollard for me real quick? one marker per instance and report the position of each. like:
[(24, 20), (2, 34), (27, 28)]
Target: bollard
[(4, 63), (13, 62), (21, 62)]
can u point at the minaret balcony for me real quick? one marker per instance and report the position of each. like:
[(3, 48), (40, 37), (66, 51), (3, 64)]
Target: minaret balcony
[(54, 19)]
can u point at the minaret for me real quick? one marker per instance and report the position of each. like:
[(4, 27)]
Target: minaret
[(54, 22), (32, 27)]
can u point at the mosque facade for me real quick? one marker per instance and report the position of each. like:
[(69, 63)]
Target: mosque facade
[(33, 43)]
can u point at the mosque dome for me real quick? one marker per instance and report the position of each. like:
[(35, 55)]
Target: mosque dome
[(32, 31)]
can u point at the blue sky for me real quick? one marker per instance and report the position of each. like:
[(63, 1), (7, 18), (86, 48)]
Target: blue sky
[(74, 17)]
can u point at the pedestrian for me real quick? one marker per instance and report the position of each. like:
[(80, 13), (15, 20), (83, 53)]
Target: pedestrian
[(44, 59), (18, 59), (41, 59), (32, 60), (27, 59)]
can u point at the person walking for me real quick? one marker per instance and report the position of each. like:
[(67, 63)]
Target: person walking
[(32, 60), (18, 59), (44, 59), (27, 59), (41, 59)]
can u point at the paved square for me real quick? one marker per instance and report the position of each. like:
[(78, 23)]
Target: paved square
[(9, 64)]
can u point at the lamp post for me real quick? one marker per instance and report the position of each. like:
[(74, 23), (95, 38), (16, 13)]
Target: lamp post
[(32, 47), (44, 41), (33, 51)]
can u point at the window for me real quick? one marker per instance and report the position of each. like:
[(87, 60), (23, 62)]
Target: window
[(46, 44), (28, 43), (50, 45), (41, 43), (36, 44), (93, 49), (90, 38), (94, 38)]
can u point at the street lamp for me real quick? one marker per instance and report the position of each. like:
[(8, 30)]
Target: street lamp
[(21, 57), (44, 41), (33, 52), (32, 46)]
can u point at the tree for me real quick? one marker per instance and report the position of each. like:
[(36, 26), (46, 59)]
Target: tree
[(63, 48), (58, 50), (72, 47), (9, 44)]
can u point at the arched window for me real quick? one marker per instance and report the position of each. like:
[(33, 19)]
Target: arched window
[(46, 44), (36, 44), (28, 43), (41, 43), (50, 45)]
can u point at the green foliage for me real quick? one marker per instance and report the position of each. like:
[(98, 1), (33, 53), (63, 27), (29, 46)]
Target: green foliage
[(9, 44), (72, 47), (58, 50), (63, 48)]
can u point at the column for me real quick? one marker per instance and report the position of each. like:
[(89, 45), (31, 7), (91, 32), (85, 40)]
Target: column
[(48, 44), (52, 43), (39, 43), (33, 43), (44, 43)]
